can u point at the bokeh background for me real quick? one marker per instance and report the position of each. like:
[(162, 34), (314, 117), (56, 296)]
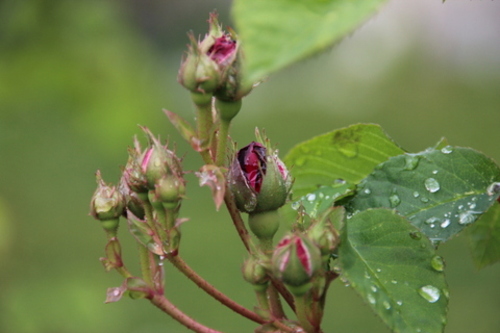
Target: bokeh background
[(76, 77)]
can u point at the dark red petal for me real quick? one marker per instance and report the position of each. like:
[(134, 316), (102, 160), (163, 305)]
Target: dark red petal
[(252, 159)]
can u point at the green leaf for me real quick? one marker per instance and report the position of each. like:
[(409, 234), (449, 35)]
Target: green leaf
[(319, 201), (349, 154), (484, 237), (440, 191), (278, 33), (394, 270)]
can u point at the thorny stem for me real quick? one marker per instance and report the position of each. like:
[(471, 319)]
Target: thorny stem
[(166, 306), (222, 143), (237, 220), (275, 303), (145, 264), (184, 268), (204, 123), (284, 292), (301, 311)]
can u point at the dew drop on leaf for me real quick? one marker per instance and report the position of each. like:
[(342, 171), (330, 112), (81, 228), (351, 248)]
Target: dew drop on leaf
[(467, 217), (430, 293), (371, 299), (445, 223), (493, 189), (394, 200), (411, 162), (437, 263), (432, 185), (447, 150)]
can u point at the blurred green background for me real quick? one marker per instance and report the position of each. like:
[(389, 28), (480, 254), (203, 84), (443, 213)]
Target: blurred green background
[(76, 77)]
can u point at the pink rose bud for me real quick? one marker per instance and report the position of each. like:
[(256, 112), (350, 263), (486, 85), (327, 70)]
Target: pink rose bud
[(295, 261)]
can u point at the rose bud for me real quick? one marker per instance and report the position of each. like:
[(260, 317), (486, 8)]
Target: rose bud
[(295, 261), (107, 204), (158, 163), (258, 179), (206, 64)]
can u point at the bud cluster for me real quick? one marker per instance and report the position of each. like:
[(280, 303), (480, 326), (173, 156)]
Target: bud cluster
[(151, 188)]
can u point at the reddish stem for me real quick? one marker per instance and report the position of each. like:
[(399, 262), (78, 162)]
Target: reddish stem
[(182, 266), (166, 306)]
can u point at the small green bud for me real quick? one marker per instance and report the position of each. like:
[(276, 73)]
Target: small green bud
[(170, 190), (255, 273), (107, 204), (323, 234), (295, 261), (159, 162)]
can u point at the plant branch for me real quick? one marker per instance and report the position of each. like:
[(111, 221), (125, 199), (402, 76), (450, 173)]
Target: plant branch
[(184, 268), (166, 306), (238, 222)]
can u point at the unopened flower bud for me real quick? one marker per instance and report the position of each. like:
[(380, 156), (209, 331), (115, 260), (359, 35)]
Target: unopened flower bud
[(324, 235), (255, 273), (158, 162), (258, 179), (205, 67), (133, 176), (107, 204), (295, 261), (170, 190)]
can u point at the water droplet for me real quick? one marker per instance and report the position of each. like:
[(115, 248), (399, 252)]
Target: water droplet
[(371, 299), (467, 217), (437, 263), (416, 235), (432, 220), (394, 200), (367, 275), (373, 288), (295, 205), (379, 270), (445, 223), (430, 293), (411, 162), (394, 282), (367, 191), (416, 194), (431, 185), (386, 305), (399, 303), (424, 199), (435, 172), (493, 189), (472, 205), (311, 197), (447, 150)]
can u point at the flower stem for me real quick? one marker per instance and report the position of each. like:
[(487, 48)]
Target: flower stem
[(166, 306), (301, 310), (184, 268), (237, 220), (145, 264), (221, 156)]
